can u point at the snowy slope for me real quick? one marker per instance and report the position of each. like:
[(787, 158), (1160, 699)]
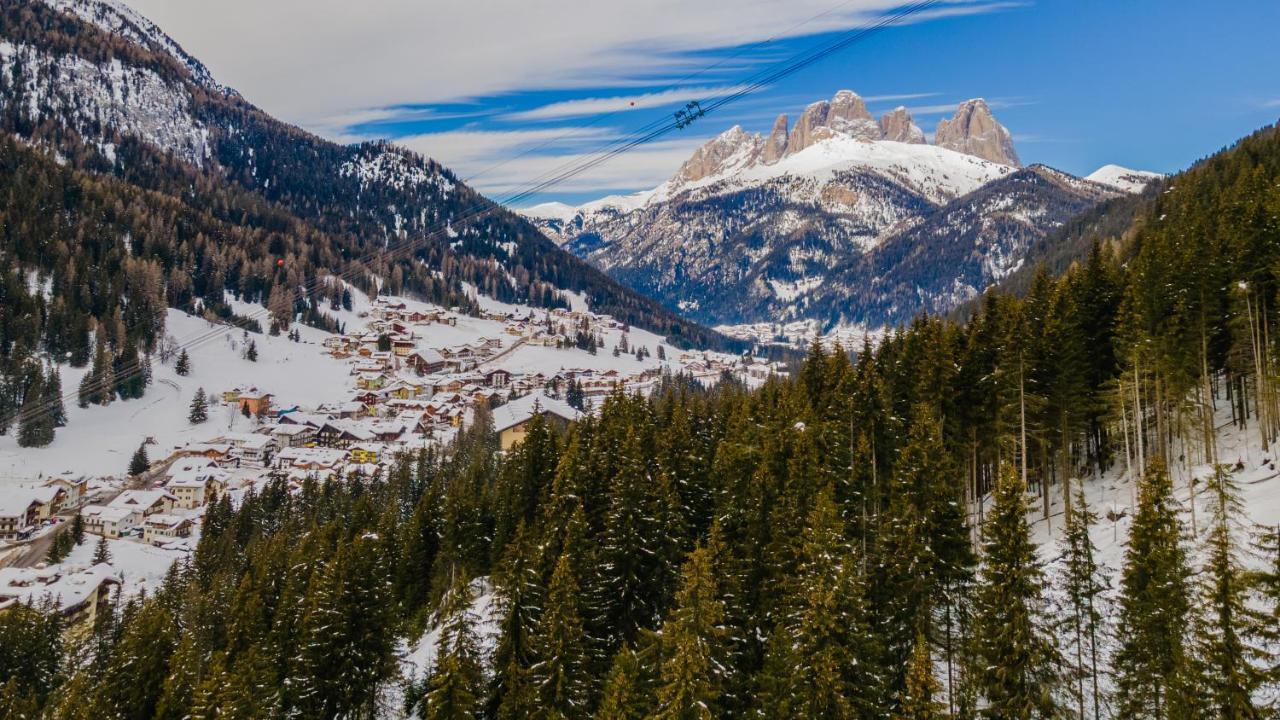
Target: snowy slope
[(99, 440), (1122, 178)]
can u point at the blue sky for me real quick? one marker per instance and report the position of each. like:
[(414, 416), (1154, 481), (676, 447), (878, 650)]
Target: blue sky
[(503, 92)]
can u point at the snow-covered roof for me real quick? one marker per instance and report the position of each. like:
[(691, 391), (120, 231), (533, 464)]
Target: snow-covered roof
[(68, 587), (140, 498), (521, 409)]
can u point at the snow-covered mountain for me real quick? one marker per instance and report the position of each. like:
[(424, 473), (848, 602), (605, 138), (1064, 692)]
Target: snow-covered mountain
[(106, 91), (756, 227), (1122, 178)]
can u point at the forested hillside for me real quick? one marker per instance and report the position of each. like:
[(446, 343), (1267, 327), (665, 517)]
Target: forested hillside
[(132, 181), (852, 542)]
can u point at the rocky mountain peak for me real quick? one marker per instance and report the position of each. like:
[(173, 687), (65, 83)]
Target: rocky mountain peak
[(897, 125), (733, 148), (848, 115), (973, 130), (775, 146)]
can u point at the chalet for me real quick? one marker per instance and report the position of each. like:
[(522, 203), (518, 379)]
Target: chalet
[(110, 521), (497, 378), (310, 459), (218, 452), (19, 511), (289, 435), (340, 434), (146, 502), (511, 421), (75, 489), (426, 361), (369, 398), (196, 487), (256, 402), (251, 448), (80, 594), (403, 346), (371, 381), (311, 420), (161, 528), (364, 453)]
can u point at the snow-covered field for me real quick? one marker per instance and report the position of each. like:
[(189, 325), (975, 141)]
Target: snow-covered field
[(100, 440)]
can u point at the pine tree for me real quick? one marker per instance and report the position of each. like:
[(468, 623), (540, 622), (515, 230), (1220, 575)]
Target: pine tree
[(1154, 671), (1082, 585), (1016, 660), (693, 674), (183, 366), (1266, 583), (35, 418), (77, 529), (199, 408), (625, 694), (820, 661), (919, 699), (53, 397), (251, 351), (519, 597), (102, 552), (558, 677), (59, 548), (454, 690), (1227, 650), (139, 463)]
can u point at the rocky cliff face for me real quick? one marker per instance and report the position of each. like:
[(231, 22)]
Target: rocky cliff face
[(898, 126), (973, 130)]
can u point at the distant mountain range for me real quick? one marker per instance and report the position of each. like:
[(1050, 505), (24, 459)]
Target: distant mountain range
[(842, 218)]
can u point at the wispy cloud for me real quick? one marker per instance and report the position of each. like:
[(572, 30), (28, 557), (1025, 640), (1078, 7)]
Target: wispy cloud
[(581, 107), (347, 57), (948, 108), (1273, 103), (899, 97), (503, 163)]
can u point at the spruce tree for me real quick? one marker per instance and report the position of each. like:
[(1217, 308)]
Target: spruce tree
[(1016, 669), (1227, 649), (919, 699), (199, 408), (36, 416), (101, 552), (454, 690), (1266, 582), (558, 677), (183, 365), (625, 694), (77, 529), (1082, 585), (53, 397), (139, 463), (693, 675), (821, 660), (1153, 665)]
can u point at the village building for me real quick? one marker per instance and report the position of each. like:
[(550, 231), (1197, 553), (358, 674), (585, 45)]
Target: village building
[(146, 502), (511, 421), (80, 594), (110, 521), (161, 528), (75, 490), (19, 511)]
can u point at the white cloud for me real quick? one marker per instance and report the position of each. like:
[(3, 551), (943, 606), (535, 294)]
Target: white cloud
[(308, 60), (1274, 103)]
